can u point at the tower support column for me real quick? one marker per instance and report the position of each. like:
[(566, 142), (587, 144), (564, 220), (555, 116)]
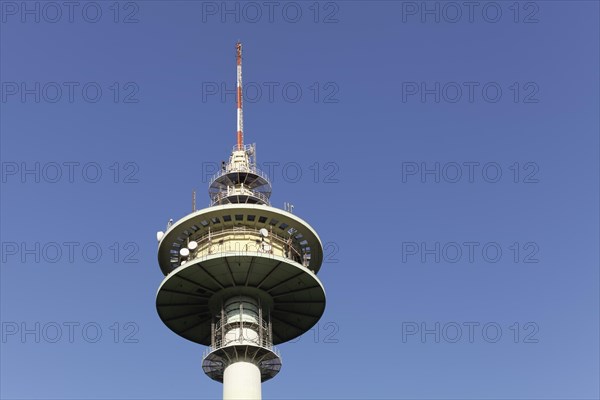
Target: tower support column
[(241, 381)]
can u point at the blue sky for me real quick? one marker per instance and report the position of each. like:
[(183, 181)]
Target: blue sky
[(447, 155)]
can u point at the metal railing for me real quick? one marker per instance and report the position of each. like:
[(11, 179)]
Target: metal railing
[(210, 349), (244, 147), (217, 197), (241, 168), (290, 249), (260, 336)]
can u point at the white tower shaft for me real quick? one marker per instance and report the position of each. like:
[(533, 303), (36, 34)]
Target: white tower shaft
[(242, 378), (241, 381)]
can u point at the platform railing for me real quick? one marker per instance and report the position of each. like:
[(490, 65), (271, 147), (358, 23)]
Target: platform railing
[(222, 327), (294, 251), (217, 197), (241, 168), (210, 349)]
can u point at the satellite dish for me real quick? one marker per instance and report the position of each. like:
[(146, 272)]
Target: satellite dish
[(192, 245), (159, 235), (264, 232), (184, 252)]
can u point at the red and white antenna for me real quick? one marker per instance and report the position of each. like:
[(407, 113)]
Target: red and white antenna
[(240, 115)]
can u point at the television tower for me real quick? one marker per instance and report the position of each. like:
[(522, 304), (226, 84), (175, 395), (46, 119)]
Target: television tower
[(240, 275)]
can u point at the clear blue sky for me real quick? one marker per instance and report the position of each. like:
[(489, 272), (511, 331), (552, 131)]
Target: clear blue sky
[(393, 106)]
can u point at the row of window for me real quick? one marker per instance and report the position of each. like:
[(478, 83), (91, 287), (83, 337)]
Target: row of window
[(240, 218)]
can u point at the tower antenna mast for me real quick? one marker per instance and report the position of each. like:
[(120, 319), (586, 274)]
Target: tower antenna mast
[(240, 115)]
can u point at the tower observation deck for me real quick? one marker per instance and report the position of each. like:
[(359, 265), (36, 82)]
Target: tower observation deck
[(240, 275)]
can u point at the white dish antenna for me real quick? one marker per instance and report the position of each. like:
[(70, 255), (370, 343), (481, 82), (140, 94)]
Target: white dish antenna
[(159, 235), (192, 245), (184, 252), (263, 232)]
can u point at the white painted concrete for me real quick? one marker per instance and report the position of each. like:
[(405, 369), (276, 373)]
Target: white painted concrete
[(241, 381)]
